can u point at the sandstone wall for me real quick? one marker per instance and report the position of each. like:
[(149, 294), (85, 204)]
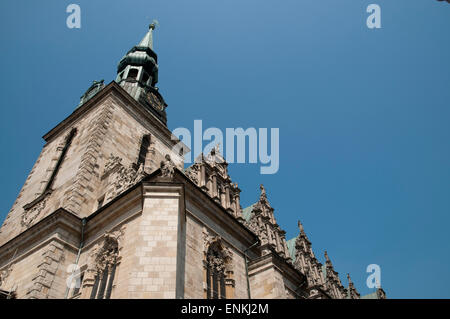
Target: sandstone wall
[(197, 224), (109, 127)]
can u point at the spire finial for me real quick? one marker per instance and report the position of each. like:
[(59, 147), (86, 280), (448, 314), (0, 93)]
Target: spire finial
[(349, 279), (263, 190), (326, 256), (263, 196), (300, 226), (147, 41)]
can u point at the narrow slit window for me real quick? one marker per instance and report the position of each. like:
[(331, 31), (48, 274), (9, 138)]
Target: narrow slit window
[(60, 159), (143, 150)]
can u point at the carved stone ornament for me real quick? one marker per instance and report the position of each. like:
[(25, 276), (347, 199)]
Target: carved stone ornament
[(263, 192), (167, 167), (112, 162), (214, 156), (4, 274), (217, 256), (192, 173), (259, 228), (263, 204), (381, 294), (253, 225), (30, 214), (107, 252), (122, 178), (313, 293)]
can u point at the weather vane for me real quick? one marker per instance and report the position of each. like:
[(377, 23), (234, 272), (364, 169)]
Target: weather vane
[(154, 24)]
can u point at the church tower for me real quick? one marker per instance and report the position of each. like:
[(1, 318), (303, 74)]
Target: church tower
[(108, 129), (114, 138)]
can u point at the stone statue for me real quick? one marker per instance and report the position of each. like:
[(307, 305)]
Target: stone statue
[(167, 167), (4, 274)]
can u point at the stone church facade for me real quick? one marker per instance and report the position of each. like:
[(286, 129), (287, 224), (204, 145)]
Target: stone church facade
[(109, 211)]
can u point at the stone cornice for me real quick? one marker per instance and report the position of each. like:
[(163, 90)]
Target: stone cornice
[(113, 215), (285, 268), (33, 235), (63, 218)]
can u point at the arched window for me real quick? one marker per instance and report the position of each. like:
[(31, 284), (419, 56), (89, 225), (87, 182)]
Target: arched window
[(133, 74), (218, 273), (106, 263)]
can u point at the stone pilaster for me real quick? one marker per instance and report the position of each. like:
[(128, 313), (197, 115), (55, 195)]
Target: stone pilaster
[(43, 280), (88, 168), (159, 269)]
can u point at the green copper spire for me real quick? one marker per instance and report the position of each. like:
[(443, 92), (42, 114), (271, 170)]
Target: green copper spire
[(137, 73), (143, 57), (147, 41)]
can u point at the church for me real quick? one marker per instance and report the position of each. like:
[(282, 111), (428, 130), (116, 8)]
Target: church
[(109, 211)]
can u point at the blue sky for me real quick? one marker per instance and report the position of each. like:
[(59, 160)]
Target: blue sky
[(363, 114)]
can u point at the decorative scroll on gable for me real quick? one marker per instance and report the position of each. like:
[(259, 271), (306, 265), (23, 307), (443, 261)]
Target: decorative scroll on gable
[(112, 163), (193, 172), (30, 214), (120, 178)]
